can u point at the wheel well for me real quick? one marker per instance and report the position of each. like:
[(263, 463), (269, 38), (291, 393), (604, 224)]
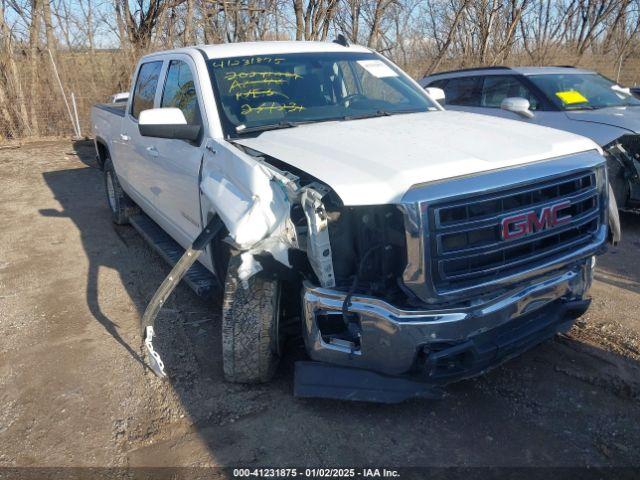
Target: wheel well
[(102, 153), (220, 252)]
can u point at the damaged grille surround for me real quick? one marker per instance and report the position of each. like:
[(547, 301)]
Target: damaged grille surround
[(454, 246)]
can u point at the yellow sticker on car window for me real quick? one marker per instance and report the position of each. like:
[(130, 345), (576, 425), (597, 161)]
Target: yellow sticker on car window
[(571, 96)]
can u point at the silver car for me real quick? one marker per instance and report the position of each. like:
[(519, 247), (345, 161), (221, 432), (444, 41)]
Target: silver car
[(566, 98)]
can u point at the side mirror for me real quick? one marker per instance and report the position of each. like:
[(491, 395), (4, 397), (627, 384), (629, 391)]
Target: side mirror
[(167, 123), (626, 92), (517, 105), (436, 93)]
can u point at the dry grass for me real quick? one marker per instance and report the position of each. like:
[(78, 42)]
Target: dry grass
[(93, 76)]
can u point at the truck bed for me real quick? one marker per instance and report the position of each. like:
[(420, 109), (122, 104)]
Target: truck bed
[(115, 108)]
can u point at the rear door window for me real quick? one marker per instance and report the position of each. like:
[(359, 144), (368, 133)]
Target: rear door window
[(463, 91), (496, 88), (145, 89), (180, 91)]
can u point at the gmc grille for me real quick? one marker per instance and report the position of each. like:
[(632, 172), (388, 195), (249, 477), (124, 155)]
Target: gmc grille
[(467, 246)]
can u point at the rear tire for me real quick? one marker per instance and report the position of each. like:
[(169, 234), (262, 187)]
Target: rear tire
[(250, 323), (121, 206)]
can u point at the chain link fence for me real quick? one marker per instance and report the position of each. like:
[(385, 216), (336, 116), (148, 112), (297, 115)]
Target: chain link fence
[(52, 96)]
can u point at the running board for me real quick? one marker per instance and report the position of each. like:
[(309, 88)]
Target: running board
[(200, 280)]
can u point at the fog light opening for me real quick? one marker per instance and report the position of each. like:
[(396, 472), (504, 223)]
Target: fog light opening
[(334, 331)]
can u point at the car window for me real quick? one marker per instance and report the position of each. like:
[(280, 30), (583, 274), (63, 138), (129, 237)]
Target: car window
[(145, 89), (357, 80), (496, 88), (265, 90), (438, 84), (348, 77), (180, 91), (583, 91), (463, 91)]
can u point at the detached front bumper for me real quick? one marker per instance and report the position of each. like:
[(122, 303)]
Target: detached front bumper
[(445, 345)]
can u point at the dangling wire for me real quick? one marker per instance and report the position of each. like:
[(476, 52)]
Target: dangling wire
[(347, 300)]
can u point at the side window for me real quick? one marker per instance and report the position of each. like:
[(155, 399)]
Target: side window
[(379, 90), (145, 89), (438, 84), (464, 91), (350, 83), (498, 87), (180, 91), (359, 82)]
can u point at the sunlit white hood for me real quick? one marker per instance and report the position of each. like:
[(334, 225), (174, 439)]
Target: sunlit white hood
[(375, 161)]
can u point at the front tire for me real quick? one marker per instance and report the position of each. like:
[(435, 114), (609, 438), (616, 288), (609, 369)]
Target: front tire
[(121, 206), (250, 324)]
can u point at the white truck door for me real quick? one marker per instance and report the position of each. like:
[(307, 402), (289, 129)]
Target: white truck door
[(177, 162), (136, 176)]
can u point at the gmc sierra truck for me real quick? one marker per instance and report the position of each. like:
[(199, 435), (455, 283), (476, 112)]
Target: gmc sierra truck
[(410, 246)]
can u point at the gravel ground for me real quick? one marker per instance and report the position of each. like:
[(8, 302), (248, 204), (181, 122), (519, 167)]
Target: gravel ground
[(75, 392)]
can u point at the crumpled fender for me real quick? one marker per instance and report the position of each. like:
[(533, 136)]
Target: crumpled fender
[(249, 215), (252, 203)]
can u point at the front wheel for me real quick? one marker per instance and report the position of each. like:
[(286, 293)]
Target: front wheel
[(250, 324)]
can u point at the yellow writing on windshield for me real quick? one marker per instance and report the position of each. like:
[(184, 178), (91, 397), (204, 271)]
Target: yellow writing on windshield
[(256, 93), (236, 85), (254, 74), (242, 80), (271, 107), (261, 88), (243, 62), (570, 97)]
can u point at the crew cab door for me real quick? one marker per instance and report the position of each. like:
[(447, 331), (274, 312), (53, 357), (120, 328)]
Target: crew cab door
[(131, 154), (176, 163)]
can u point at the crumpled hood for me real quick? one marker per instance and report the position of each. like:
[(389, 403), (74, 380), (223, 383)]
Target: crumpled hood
[(627, 118), (375, 161)]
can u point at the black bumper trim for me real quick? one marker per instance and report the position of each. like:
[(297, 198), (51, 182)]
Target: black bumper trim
[(440, 366), (491, 348)]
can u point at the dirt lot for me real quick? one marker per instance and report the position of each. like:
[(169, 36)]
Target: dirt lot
[(74, 390)]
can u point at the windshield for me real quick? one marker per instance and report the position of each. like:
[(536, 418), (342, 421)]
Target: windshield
[(583, 91), (261, 91)]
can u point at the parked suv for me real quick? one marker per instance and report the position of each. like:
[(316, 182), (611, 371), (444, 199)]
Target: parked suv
[(410, 246), (567, 98)]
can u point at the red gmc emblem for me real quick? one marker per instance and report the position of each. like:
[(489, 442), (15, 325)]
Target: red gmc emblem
[(518, 226)]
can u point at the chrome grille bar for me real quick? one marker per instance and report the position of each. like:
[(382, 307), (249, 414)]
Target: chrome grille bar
[(456, 243), (588, 198), (492, 255)]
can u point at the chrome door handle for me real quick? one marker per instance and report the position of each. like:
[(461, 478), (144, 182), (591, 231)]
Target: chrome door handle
[(152, 151), (124, 138)]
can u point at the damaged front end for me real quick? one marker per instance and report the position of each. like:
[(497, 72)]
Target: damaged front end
[(623, 165), (426, 291), (288, 212), (431, 290)]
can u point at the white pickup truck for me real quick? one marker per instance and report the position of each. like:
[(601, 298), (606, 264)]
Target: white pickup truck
[(409, 245)]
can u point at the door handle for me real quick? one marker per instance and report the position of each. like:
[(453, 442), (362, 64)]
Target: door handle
[(152, 151), (124, 138)]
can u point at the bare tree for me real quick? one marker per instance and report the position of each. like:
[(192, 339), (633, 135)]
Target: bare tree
[(139, 23), (34, 45), (423, 36), (445, 34), (314, 19), (12, 108)]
